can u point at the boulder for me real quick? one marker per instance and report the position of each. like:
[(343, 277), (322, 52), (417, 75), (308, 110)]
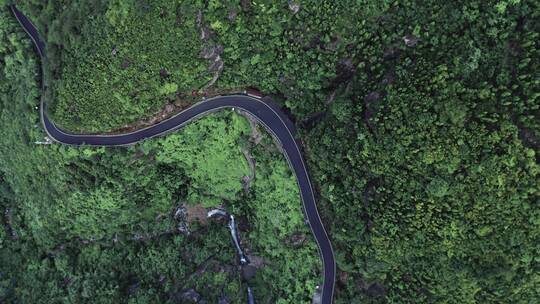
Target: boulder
[(410, 40)]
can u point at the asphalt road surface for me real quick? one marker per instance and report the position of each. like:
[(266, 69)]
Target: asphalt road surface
[(267, 114)]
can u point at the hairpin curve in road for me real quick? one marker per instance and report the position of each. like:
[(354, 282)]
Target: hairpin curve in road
[(267, 114)]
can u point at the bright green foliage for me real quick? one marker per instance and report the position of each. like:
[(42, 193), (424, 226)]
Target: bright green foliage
[(97, 224), (420, 123), (269, 47), (275, 188), (432, 175), (210, 153), (270, 207), (127, 59), (92, 214)]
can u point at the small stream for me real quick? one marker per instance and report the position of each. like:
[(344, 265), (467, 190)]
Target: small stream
[(242, 258)]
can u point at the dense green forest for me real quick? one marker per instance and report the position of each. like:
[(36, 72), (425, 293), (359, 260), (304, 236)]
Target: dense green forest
[(101, 225), (420, 122)]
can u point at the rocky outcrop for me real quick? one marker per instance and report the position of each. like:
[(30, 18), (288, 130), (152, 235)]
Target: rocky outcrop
[(210, 51), (180, 216), (256, 261), (294, 6), (248, 272), (246, 180), (190, 296), (410, 40)]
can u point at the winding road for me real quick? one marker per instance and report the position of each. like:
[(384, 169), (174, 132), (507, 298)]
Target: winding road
[(267, 114)]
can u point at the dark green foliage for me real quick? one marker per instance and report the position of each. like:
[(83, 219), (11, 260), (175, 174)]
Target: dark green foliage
[(97, 225), (435, 185), (118, 61), (421, 127)]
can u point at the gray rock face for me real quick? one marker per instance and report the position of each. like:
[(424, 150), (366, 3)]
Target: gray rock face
[(204, 30), (191, 296), (232, 15), (410, 40), (294, 6), (211, 51), (216, 66), (256, 261), (248, 272), (180, 217)]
